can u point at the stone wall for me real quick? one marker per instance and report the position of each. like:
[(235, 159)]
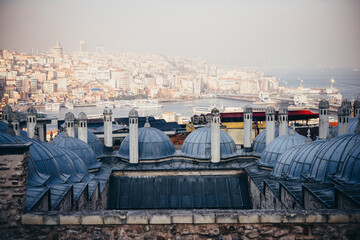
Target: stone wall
[(13, 182), (195, 224)]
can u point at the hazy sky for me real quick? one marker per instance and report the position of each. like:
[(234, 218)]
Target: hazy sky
[(283, 32)]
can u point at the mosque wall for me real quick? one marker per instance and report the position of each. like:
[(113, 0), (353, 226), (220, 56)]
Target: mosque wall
[(81, 203), (194, 224), (65, 203), (43, 204), (13, 182), (344, 202), (310, 201), (271, 200), (255, 194), (288, 200)]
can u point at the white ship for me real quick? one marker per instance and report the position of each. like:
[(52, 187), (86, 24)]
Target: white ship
[(69, 105), (144, 104), (52, 106)]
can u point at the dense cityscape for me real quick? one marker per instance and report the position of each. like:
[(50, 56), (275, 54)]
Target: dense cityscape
[(179, 120)]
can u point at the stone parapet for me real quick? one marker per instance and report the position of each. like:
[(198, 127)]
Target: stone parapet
[(141, 217)]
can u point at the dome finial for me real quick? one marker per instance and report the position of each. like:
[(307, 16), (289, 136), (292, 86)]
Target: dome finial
[(147, 124), (330, 135), (308, 137)]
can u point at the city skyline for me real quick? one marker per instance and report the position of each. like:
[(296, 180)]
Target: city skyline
[(257, 33)]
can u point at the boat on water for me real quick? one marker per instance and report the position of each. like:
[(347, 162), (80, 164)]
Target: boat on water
[(69, 105), (264, 99), (145, 104), (52, 106), (105, 104), (206, 110)]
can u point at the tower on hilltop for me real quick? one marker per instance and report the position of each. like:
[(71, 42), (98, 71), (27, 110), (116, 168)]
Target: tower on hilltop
[(58, 52)]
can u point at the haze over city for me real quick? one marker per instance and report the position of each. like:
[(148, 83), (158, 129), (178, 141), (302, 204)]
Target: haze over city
[(248, 33)]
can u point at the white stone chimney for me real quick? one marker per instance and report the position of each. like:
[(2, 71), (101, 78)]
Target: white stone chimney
[(247, 128), (270, 124), (6, 113), (16, 123), (134, 136), (82, 127), (70, 124), (323, 119), (31, 121), (215, 135), (108, 140), (283, 119), (343, 119)]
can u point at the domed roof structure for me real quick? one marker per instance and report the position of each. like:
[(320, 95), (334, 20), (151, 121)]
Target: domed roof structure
[(198, 144), (248, 109), (331, 156), (133, 113), (344, 111), (349, 173), (107, 111), (278, 146), (283, 111), (93, 141), (346, 103), (31, 111), (7, 109), (324, 104), (153, 144), (45, 161), (66, 164), (299, 163), (259, 143), (80, 148), (82, 116), (353, 123), (283, 163), (69, 116), (35, 177), (215, 112), (270, 111)]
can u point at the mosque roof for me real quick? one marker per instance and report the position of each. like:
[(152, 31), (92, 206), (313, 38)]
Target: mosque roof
[(45, 161), (259, 143), (278, 146), (324, 104), (198, 144), (80, 148), (331, 157), (351, 168), (296, 161), (353, 123), (153, 144), (93, 141), (35, 177)]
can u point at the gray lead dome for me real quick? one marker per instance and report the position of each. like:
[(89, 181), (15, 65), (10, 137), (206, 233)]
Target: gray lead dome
[(331, 156), (324, 104), (278, 146), (153, 144), (69, 116), (270, 111), (198, 144)]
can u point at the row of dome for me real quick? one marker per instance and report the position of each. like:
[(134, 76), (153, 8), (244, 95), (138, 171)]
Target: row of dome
[(62, 160)]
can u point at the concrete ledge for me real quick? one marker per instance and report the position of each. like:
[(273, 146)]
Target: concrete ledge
[(92, 220), (32, 219), (70, 220), (206, 217), (113, 218), (144, 217), (160, 219), (182, 217), (51, 220), (339, 218), (250, 218), (135, 217), (226, 218)]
